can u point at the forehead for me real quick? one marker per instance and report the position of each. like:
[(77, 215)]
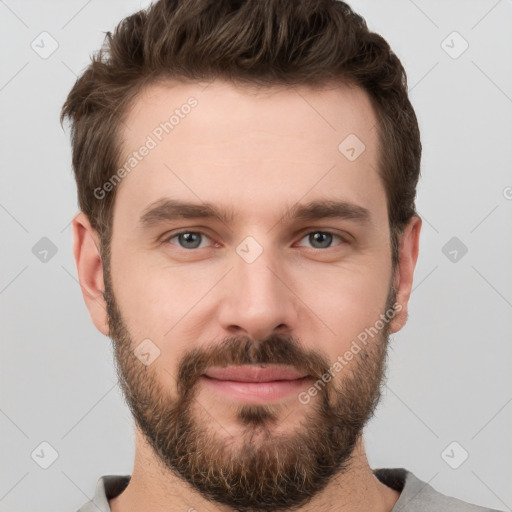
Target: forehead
[(313, 113), (229, 144)]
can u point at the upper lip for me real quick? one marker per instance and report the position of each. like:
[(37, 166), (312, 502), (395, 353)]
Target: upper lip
[(251, 373)]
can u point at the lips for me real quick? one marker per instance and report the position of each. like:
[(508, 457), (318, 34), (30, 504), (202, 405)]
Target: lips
[(251, 373)]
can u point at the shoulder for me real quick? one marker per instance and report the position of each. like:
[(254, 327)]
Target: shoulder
[(418, 496), (107, 487)]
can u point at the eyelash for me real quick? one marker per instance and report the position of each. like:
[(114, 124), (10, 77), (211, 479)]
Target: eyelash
[(168, 238)]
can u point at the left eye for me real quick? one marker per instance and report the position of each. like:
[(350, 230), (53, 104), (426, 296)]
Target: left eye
[(193, 239), (321, 239)]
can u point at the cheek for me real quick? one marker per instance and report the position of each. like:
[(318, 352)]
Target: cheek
[(154, 307), (138, 292), (158, 301), (347, 300)]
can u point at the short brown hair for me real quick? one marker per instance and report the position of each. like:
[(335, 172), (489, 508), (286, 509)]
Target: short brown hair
[(252, 42)]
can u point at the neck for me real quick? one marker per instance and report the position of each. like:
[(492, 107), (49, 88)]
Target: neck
[(153, 488)]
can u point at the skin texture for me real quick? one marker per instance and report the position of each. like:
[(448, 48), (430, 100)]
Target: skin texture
[(255, 154)]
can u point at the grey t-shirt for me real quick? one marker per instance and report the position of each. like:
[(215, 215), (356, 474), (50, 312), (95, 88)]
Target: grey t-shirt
[(415, 495)]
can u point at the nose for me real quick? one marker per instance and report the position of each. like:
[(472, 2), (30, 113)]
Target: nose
[(258, 298)]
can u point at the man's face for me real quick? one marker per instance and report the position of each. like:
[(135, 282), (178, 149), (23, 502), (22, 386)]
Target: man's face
[(264, 287)]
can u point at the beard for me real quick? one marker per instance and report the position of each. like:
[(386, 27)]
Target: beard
[(260, 468)]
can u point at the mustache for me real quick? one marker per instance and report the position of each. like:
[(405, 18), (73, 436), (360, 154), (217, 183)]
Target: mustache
[(242, 350)]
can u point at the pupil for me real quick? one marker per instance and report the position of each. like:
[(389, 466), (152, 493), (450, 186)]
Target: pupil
[(188, 239), (323, 239)]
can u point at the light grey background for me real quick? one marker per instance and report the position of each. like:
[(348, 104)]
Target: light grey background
[(449, 372)]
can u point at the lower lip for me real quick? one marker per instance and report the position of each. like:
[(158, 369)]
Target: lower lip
[(256, 391)]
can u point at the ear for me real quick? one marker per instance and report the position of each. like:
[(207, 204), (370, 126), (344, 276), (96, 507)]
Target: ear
[(409, 244), (90, 270)]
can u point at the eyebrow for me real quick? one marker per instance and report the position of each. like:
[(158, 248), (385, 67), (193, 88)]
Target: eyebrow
[(167, 209)]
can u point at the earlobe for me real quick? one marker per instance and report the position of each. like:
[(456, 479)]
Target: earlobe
[(409, 242), (90, 270)]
